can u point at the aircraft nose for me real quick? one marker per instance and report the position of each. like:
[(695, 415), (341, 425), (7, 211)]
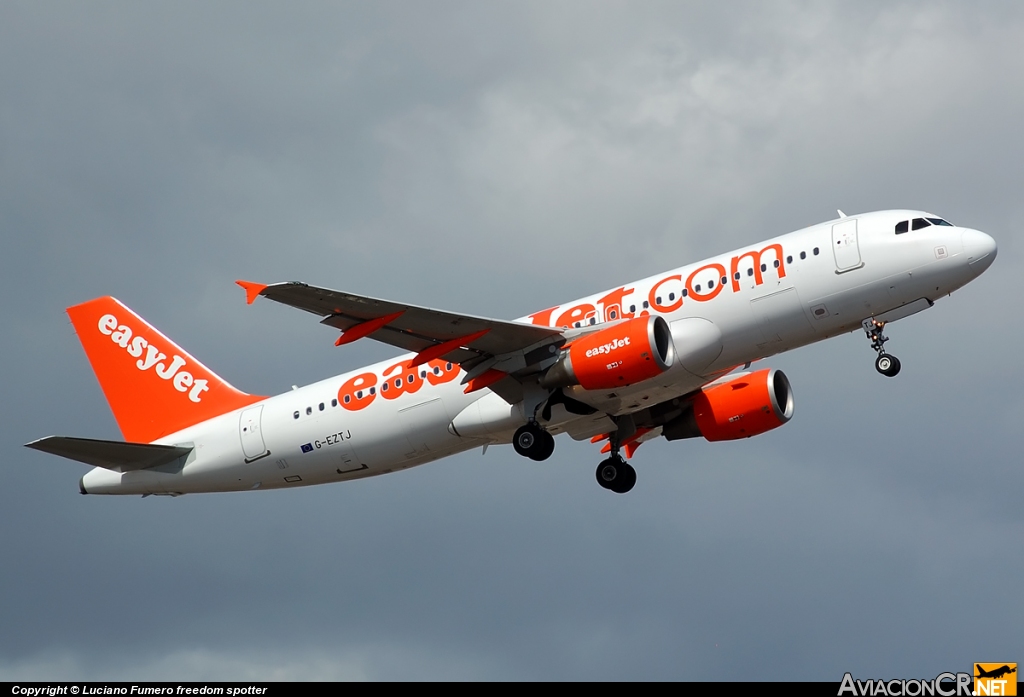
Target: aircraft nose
[(979, 248)]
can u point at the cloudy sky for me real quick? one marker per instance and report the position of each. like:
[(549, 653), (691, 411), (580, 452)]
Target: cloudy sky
[(497, 158)]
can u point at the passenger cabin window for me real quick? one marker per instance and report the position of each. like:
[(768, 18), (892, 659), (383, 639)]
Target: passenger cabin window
[(902, 227)]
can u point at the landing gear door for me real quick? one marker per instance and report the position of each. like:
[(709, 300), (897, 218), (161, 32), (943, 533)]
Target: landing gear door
[(251, 432), (845, 246)]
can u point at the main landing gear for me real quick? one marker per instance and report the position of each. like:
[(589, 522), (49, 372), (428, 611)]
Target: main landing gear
[(533, 442), (887, 365), (615, 474)]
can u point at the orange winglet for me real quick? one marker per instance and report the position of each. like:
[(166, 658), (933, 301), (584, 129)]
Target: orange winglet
[(252, 290), (438, 350), (358, 331), (482, 381)]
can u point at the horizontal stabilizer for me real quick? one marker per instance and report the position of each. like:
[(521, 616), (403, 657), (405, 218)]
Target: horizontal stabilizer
[(110, 454)]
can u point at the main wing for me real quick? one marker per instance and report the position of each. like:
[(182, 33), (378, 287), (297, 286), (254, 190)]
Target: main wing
[(489, 350)]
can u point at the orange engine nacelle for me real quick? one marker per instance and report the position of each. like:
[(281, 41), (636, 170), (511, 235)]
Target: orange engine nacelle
[(625, 353), (744, 407)]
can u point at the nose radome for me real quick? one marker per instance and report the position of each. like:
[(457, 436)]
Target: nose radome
[(979, 248)]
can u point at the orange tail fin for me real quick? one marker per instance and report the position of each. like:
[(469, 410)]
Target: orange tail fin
[(152, 385)]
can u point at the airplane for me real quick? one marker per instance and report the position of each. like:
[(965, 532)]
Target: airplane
[(995, 673), (667, 356)]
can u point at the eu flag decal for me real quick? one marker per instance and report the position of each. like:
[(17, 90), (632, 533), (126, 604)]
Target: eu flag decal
[(307, 448)]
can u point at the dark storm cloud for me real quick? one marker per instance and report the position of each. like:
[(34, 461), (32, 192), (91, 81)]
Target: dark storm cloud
[(497, 159)]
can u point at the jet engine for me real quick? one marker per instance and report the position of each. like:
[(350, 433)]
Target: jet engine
[(745, 406), (625, 353)]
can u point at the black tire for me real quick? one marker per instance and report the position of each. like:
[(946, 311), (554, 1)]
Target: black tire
[(627, 479), (895, 370), (525, 439), (543, 448), (887, 365), (608, 472)]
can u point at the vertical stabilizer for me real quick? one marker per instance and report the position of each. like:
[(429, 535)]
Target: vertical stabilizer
[(153, 386)]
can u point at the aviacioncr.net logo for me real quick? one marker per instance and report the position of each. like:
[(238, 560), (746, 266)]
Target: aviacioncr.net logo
[(944, 685)]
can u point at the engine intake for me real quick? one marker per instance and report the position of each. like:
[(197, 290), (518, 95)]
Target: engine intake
[(626, 353)]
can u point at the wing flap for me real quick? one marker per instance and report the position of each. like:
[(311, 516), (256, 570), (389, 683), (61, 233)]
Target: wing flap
[(118, 456)]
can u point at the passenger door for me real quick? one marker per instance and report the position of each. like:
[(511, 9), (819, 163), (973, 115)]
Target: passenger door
[(249, 430), (845, 246)]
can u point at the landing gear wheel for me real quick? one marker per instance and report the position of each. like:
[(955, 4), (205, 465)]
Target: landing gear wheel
[(525, 439), (887, 365), (533, 442), (615, 474), (628, 479), (544, 447)]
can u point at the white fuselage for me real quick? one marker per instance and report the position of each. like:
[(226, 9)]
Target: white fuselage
[(827, 280)]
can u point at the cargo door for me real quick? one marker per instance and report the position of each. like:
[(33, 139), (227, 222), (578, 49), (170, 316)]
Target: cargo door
[(426, 427), (782, 319)]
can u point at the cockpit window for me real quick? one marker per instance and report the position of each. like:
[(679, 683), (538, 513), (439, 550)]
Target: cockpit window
[(919, 223), (939, 221), (902, 227)]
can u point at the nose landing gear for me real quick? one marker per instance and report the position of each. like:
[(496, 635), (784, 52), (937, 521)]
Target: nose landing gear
[(886, 364)]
